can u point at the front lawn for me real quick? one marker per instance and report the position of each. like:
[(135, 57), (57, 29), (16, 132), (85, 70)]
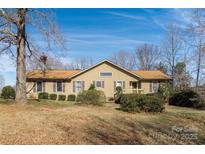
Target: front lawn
[(48, 122)]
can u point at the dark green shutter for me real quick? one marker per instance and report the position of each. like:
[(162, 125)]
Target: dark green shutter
[(73, 86), (103, 84), (44, 86), (114, 85), (34, 87), (63, 86)]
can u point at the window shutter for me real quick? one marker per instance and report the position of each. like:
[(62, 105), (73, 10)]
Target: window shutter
[(150, 87), (34, 87), (123, 85), (103, 84), (73, 86), (63, 86), (44, 86), (94, 83), (54, 86), (114, 85), (83, 85)]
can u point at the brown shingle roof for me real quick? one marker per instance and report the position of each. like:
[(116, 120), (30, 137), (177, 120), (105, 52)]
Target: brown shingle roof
[(151, 74), (51, 74)]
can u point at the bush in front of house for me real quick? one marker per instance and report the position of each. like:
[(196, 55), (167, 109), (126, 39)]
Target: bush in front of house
[(94, 97), (8, 92), (92, 87), (137, 103), (43, 95), (71, 97), (118, 94), (186, 98), (61, 97), (53, 96)]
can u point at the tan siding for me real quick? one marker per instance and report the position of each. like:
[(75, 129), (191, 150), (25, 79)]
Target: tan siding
[(94, 75)]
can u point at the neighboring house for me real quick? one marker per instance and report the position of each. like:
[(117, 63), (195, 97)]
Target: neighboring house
[(105, 75)]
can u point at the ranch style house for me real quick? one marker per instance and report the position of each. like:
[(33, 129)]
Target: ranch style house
[(105, 75)]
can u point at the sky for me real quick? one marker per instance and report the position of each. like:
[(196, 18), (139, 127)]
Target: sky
[(98, 33)]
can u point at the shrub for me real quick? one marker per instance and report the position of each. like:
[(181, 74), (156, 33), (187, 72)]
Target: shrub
[(8, 92), (43, 95), (118, 94), (61, 97), (186, 98), (165, 89), (137, 103), (94, 97), (92, 87), (71, 97), (53, 96)]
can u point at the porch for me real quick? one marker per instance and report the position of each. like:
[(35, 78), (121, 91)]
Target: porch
[(134, 88)]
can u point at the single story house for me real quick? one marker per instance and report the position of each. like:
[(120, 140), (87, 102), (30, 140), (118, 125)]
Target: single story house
[(105, 75)]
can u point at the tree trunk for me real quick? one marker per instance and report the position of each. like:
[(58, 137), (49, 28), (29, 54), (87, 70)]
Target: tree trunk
[(20, 62), (173, 63), (198, 66)]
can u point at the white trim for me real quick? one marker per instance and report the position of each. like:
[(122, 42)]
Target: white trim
[(102, 63), (119, 81)]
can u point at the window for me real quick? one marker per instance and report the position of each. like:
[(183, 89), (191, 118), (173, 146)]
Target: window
[(59, 86), (119, 84), (78, 86), (39, 87), (155, 87), (105, 74), (98, 84)]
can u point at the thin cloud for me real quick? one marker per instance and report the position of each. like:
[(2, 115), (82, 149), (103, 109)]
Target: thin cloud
[(160, 23), (129, 16)]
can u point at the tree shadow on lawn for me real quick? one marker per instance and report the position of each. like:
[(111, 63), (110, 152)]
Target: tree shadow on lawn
[(122, 131), (108, 132)]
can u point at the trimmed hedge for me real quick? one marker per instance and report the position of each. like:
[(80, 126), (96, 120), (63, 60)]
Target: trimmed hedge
[(8, 92), (53, 96), (186, 98), (61, 97), (43, 95), (71, 97), (137, 103), (94, 97)]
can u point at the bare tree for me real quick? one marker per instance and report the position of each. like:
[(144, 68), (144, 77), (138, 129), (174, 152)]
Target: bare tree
[(2, 82), (161, 67), (16, 28), (196, 40), (51, 62), (182, 76), (147, 56), (171, 47), (123, 59), (80, 63)]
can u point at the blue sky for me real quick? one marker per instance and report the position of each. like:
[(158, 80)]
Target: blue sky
[(98, 33)]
